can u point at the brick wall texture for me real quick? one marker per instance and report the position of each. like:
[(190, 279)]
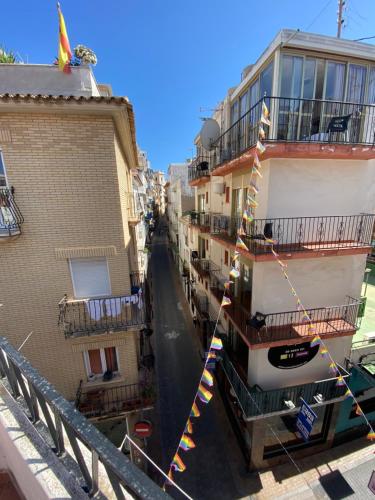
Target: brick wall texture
[(70, 176)]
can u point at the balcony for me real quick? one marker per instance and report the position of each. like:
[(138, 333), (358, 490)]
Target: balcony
[(289, 327), (131, 209), (199, 170), (11, 218), (200, 301), (203, 267), (256, 403), (78, 317), (115, 401), (307, 121), (311, 235), (201, 220)]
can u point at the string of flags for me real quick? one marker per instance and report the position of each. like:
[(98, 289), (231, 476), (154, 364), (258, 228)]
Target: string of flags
[(203, 393)]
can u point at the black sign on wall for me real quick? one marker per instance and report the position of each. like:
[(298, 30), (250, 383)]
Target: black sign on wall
[(292, 356)]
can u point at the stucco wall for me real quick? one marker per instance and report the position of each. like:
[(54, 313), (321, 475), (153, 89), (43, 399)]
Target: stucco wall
[(261, 372), (322, 282)]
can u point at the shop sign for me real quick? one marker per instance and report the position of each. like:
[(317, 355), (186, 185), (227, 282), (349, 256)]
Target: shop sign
[(292, 356), (305, 420)]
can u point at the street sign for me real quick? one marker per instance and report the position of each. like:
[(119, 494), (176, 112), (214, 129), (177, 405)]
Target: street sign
[(305, 420), (143, 429)]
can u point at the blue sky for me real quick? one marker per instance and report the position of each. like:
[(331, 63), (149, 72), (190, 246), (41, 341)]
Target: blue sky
[(172, 57)]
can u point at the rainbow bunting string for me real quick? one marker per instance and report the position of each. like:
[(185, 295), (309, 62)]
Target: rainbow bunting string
[(241, 244), (189, 426), (315, 341), (207, 378), (226, 301), (216, 343), (234, 273), (186, 443), (195, 411), (178, 464)]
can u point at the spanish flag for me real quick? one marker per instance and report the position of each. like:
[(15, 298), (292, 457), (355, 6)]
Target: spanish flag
[(65, 53)]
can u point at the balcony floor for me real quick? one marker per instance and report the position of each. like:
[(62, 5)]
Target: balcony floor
[(294, 334), (7, 489)]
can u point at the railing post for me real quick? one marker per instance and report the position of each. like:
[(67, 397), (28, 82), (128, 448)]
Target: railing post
[(94, 473)]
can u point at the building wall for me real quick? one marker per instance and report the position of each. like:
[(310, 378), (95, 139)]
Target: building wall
[(321, 282), (68, 176), (261, 372)]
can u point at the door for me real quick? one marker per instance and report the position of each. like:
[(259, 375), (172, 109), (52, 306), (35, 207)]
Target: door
[(90, 278), (355, 93), (334, 89), (289, 102)]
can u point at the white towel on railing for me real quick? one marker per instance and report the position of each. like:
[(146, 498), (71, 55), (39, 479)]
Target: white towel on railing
[(95, 309), (140, 301), (113, 306)]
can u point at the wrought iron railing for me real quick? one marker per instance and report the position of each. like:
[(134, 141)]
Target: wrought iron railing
[(109, 402), (255, 402), (200, 301), (71, 434), (199, 167), (297, 120), (202, 266), (201, 219), (11, 217), (297, 234), (291, 324), (105, 314)]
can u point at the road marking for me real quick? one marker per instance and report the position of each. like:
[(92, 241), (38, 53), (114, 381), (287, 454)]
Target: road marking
[(172, 335)]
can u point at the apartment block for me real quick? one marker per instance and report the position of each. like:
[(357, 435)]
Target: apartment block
[(68, 237), (316, 200)]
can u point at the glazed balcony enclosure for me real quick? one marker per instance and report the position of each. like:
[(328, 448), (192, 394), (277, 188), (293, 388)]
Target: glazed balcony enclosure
[(199, 168), (298, 234), (11, 217), (298, 120), (201, 220), (256, 403), (79, 317)]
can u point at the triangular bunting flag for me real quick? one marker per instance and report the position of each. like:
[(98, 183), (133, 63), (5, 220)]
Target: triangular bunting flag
[(216, 343), (227, 284), (178, 464), (324, 352), (256, 160), (234, 273), (256, 171), (265, 114), (241, 244), (226, 301), (207, 378), (260, 148), (252, 187), (333, 368), (251, 202), (195, 411), (204, 394), (186, 443), (262, 133), (348, 394), (371, 436), (315, 341), (340, 381), (358, 410), (189, 426)]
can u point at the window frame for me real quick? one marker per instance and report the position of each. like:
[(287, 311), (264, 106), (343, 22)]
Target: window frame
[(72, 277), (103, 361), (2, 163)]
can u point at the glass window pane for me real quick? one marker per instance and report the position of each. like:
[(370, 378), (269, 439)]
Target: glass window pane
[(254, 93), (2, 172), (234, 113), (244, 101), (371, 87), (335, 81), (291, 76), (309, 79), (95, 361), (266, 78), (356, 83), (111, 359)]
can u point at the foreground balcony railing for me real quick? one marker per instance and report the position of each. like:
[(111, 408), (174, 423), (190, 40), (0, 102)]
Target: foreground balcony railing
[(115, 401), (11, 218), (200, 219), (299, 120), (199, 167), (79, 317), (255, 403), (94, 462), (290, 325), (299, 234), (203, 267)]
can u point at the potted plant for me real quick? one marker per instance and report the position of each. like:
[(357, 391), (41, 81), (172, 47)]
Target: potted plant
[(84, 55), (7, 57)]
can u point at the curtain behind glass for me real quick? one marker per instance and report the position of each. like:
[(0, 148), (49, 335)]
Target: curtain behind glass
[(335, 81), (356, 83), (371, 87)]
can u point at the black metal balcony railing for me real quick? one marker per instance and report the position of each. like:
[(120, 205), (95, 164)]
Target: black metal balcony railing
[(201, 219), (70, 435), (115, 401), (298, 234), (199, 167), (93, 315), (200, 301), (291, 325), (11, 218), (297, 120), (256, 402), (203, 267)]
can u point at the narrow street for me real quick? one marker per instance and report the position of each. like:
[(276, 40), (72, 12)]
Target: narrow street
[(178, 368)]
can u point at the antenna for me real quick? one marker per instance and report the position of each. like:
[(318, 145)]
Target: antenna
[(340, 20)]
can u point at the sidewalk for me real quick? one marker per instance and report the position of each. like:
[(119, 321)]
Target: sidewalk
[(341, 472)]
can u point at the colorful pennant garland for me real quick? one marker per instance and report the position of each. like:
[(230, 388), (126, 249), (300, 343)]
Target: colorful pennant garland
[(226, 301), (207, 378), (178, 464), (186, 443), (204, 394)]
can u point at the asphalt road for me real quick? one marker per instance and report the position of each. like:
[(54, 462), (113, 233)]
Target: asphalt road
[(178, 368)]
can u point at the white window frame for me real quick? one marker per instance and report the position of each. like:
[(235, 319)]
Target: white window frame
[(72, 277), (102, 359)]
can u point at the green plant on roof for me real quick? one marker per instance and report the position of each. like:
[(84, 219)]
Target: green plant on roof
[(7, 57)]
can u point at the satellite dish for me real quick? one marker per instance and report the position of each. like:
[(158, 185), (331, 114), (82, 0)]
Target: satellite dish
[(209, 133)]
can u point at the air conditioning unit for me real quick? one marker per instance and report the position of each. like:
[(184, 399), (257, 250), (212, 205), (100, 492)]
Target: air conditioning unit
[(218, 188)]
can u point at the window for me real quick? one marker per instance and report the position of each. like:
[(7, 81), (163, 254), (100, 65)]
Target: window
[(356, 83), (206, 285), (266, 78), (227, 194), (206, 244), (99, 361), (335, 79), (3, 181), (90, 277), (291, 76), (206, 196), (226, 257)]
